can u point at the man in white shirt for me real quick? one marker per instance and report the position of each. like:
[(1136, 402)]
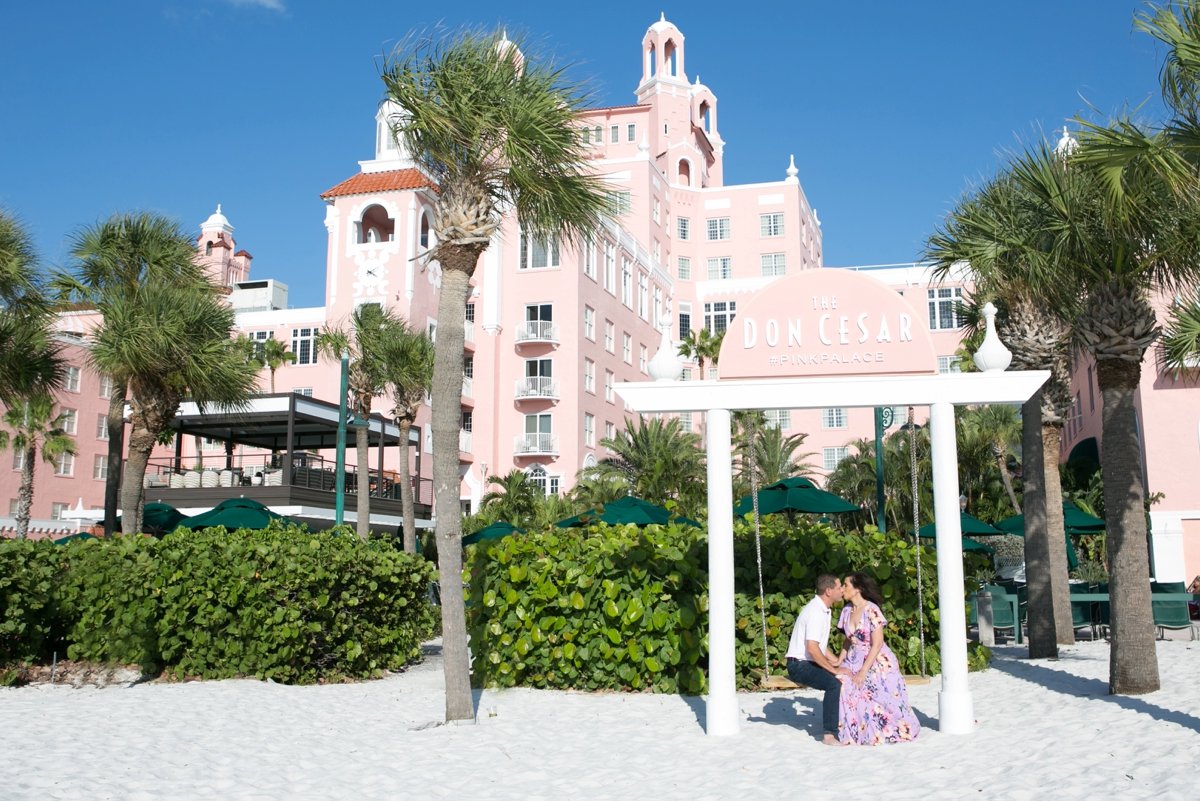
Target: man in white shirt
[(808, 661)]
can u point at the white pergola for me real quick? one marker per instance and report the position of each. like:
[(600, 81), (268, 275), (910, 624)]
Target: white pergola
[(941, 393)]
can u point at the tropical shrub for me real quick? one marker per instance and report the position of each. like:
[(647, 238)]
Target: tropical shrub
[(30, 626)]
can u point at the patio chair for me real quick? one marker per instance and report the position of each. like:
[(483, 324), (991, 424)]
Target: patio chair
[(1170, 614), (1002, 616), (1083, 613)]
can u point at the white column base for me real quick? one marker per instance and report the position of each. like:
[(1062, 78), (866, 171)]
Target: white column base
[(956, 712)]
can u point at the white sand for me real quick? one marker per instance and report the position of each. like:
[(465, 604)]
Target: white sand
[(1046, 729)]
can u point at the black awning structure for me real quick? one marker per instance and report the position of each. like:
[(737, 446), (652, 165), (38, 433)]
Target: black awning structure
[(281, 422)]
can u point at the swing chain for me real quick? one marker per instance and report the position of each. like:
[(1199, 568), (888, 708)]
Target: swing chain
[(912, 455), (752, 431)]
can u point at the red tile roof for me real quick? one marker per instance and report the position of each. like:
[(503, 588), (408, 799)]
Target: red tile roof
[(368, 182), (244, 253)]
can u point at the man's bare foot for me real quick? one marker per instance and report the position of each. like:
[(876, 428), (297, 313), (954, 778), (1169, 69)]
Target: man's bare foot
[(830, 739)]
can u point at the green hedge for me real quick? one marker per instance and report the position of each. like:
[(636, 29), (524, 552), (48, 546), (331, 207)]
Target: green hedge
[(31, 628), (281, 603), (626, 608)]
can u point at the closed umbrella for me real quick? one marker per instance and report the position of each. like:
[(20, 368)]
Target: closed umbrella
[(626, 511), (235, 513), (794, 494), (494, 531)]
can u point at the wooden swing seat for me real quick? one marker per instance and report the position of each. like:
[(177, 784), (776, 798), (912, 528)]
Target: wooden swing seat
[(783, 683)]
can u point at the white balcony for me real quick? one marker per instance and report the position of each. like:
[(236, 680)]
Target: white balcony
[(469, 331), (464, 441), (537, 331), (536, 387), (530, 444)]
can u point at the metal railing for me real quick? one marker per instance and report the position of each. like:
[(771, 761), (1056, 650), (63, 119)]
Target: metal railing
[(535, 443), (536, 387), (537, 331)]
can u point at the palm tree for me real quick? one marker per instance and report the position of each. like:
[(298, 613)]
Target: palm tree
[(1111, 249), (702, 346), (515, 500), (166, 342), (591, 492), (408, 366), (774, 455), (366, 340), (113, 259), (998, 427), (273, 354), (1001, 230), (34, 425), (657, 460), (30, 360), (496, 130), (1181, 337)]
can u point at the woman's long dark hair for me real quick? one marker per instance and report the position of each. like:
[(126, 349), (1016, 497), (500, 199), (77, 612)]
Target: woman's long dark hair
[(867, 586)]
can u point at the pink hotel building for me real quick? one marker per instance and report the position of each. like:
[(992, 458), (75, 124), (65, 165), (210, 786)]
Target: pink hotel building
[(550, 327)]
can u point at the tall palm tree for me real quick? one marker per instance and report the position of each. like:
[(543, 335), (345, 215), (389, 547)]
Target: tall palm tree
[(366, 339), (998, 427), (1002, 231), (34, 426), (31, 361), (773, 455), (496, 130), (657, 460), (166, 342), (409, 371), (515, 498), (273, 354), (702, 346), (113, 259)]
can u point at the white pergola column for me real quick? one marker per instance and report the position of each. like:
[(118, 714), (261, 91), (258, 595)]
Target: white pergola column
[(956, 713), (721, 711)]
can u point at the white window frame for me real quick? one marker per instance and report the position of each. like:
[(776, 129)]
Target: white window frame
[(834, 417), (643, 357), (717, 229), (589, 376), (943, 303), (610, 336), (304, 338), (720, 268), (627, 348), (64, 465), (716, 319), (589, 258), (107, 386), (589, 323), (100, 467), (770, 224), (589, 430), (949, 364), (58, 510), (773, 264), (69, 421), (627, 283), (620, 202), (778, 418), (610, 268), (71, 378), (684, 265), (609, 379), (547, 251), (683, 228), (832, 457), (102, 427)]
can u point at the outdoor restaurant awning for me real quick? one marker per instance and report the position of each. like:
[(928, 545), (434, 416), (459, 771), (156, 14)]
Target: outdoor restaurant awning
[(271, 421)]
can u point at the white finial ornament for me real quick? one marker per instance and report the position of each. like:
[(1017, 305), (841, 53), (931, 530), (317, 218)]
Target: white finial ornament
[(666, 365), (992, 356), (792, 172), (1067, 144)]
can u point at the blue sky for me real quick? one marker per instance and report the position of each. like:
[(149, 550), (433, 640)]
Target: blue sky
[(891, 109)]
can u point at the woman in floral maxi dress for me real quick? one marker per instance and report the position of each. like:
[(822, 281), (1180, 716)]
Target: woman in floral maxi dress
[(874, 705)]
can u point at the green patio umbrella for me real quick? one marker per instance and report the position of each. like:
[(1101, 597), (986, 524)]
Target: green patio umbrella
[(235, 513), (624, 511), (493, 531), (1076, 522), (79, 535), (794, 494), (970, 525), (158, 518)]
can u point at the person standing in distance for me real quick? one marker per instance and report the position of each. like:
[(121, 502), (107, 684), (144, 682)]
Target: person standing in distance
[(808, 660)]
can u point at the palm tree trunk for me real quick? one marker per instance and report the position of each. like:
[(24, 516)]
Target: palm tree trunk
[(141, 443), (1056, 538), (272, 380), (1133, 661), (363, 501), (407, 506), (1006, 479), (116, 453), (1043, 641), (447, 418), (25, 493)]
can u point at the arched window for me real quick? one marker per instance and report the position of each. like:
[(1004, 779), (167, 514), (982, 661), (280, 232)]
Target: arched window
[(538, 477), (685, 172), (671, 55), (598, 134), (208, 248), (706, 116), (653, 62), (376, 225), (423, 238)]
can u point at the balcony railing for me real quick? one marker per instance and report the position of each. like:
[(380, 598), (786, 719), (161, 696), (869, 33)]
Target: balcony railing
[(468, 387), (537, 331), (469, 330), (525, 444), (464, 441), (536, 387)]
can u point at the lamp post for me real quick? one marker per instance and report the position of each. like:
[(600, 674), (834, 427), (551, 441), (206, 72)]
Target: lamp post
[(884, 417), (339, 507), (962, 503)]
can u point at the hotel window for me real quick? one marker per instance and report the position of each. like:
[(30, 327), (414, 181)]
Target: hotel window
[(778, 418), (720, 268), (614, 134), (685, 268), (949, 364), (589, 430), (774, 264), (585, 135), (833, 418), (589, 376), (627, 348), (102, 426), (683, 228), (64, 465), (71, 379), (305, 392), (658, 308), (100, 467), (18, 458), (537, 254), (58, 511), (68, 420), (608, 385), (685, 320), (642, 357), (643, 295), (106, 386), (609, 336), (631, 132), (657, 211), (718, 228), (719, 314), (685, 422), (627, 283), (770, 224), (589, 259), (589, 323), (610, 268), (12, 507), (686, 375), (304, 345), (830, 457), (610, 430), (598, 134), (619, 203), (943, 308)]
